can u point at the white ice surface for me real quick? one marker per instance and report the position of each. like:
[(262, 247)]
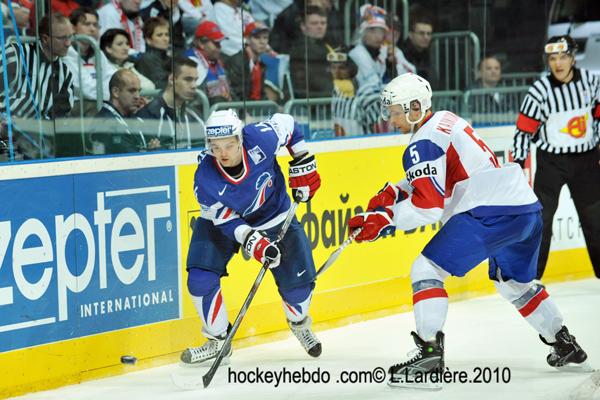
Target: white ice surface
[(483, 332)]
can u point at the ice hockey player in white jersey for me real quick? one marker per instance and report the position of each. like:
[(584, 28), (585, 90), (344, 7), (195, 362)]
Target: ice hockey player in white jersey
[(244, 201), (489, 212)]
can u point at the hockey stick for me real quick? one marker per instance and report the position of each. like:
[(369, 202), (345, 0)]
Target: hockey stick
[(334, 256), (207, 378)]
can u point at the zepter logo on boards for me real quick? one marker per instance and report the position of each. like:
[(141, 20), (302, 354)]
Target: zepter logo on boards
[(97, 253)]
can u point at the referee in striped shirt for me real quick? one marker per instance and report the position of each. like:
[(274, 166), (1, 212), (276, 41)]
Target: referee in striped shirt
[(560, 116)]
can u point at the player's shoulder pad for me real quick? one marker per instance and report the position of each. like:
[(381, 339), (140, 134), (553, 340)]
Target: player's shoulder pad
[(282, 124), (422, 150)]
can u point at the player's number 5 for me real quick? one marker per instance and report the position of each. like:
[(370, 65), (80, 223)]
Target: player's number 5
[(414, 155)]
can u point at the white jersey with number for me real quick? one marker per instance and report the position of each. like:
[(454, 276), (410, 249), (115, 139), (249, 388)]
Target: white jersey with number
[(450, 170)]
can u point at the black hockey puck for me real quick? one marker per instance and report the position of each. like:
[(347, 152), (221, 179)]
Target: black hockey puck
[(128, 359)]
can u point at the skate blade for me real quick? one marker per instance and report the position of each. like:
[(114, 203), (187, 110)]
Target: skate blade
[(206, 363), (577, 368), (429, 386)]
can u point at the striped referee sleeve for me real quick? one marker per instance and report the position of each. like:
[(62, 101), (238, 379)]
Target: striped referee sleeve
[(528, 122), (596, 111)]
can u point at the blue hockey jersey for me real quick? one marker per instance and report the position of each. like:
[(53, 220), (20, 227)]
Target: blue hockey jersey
[(257, 199)]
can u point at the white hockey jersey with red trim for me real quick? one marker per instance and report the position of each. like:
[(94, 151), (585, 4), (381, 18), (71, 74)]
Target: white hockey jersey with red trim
[(450, 170)]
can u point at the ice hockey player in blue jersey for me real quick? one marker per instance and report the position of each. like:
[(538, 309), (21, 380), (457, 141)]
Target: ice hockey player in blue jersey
[(489, 212), (243, 202)]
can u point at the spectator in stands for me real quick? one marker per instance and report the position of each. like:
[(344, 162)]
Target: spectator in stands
[(246, 69), (81, 60), (85, 22), (124, 14), (114, 129), (355, 110), (232, 21), (51, 96), (308, 56), (177, 124), (194, 12), (377, 61), (343, 71), (266, 11), (22, 11), (169, 10), (115, 45), (416, 47), (490, 73), (286, 28), (206, 52), (155, 62), (64, 7), (335, 22), (491, 102)]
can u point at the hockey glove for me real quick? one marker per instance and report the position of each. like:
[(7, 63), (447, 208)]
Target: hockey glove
[(374, 224), (386, 198), (260, 247), (304, 178)]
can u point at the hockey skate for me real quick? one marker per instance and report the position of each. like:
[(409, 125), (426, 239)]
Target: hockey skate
[(422, 369), (197, 356), (306, 336), (566, 354)]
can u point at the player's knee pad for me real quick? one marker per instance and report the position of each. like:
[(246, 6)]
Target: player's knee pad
[(296, 301), (516, 292), (202, 283), (424, 270)]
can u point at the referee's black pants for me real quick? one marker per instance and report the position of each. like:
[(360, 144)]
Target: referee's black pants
[(581, 173)]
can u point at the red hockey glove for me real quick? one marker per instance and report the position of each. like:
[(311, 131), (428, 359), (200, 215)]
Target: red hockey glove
[(374, 224), (384, 199), (260, 247), (304, 178)]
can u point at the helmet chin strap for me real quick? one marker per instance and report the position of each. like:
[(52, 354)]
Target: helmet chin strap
[(413, 124)]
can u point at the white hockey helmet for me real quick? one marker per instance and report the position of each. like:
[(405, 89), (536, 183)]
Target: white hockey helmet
[(223, 124), (403, 90)]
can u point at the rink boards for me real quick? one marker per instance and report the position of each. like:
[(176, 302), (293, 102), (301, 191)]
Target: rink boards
[(92, 256)]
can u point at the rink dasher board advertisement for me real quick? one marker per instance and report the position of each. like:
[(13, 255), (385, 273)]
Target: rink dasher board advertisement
[(85, 254)]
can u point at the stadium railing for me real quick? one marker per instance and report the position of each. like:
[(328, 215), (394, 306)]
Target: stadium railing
[(313, 116), (249, 111), (495, 106), (454, 57)]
